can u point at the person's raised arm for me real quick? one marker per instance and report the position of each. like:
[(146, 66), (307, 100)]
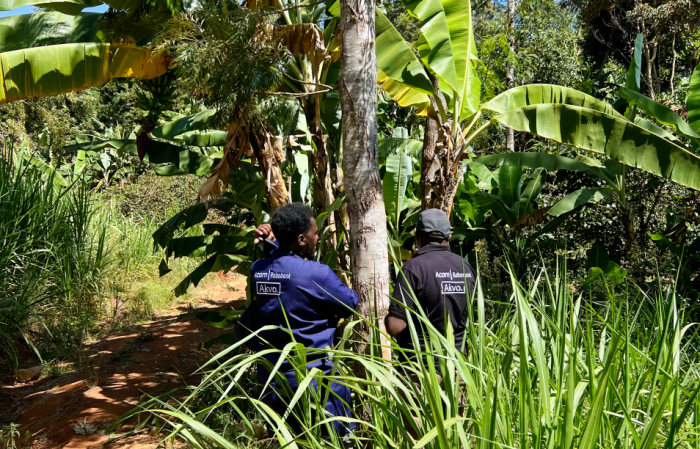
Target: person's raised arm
[(340, 297)]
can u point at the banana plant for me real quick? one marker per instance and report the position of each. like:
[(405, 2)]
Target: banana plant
[(54, 52), (445, 70), (502, 205)]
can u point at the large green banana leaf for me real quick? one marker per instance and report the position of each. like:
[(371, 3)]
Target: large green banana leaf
[(183, 124), (74, 7), (660, 112), (510, 184), (399, 168), (579, 197), (396, 59), (47, 28), (446, 45), (488, 201), (550, 162), (532, 94), (64, 6), (656, 129), (693, 103), (404, 95), (617, 138), (179, 160), (57, 69), (205, 138)]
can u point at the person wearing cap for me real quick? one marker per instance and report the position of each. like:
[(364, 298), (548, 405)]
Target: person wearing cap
[(301, 297), (437, 279)]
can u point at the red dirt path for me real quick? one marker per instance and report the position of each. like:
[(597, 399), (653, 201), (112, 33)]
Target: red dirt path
[(105, 391)]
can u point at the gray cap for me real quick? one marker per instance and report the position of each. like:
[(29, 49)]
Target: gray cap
[(432, 220)]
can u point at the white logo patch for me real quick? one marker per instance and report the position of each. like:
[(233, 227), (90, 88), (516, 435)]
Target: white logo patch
[(269, 288), (452, 288)]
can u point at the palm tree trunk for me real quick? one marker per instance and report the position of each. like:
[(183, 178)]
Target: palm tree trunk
[(363, 187)]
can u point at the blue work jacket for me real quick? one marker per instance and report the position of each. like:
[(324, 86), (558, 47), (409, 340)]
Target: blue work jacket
[(308, 292)]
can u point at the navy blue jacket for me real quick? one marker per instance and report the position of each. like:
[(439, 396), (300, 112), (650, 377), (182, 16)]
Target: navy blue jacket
[(308, 292)]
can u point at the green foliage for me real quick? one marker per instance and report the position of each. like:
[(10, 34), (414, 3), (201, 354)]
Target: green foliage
[(50, 262), (220, 59)]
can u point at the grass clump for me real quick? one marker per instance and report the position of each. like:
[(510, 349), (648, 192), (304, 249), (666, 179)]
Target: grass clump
[(551, 370)]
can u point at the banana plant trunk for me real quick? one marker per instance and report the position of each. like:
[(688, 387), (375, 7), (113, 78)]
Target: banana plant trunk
[(439, 174), (363, 187), (322, 183)]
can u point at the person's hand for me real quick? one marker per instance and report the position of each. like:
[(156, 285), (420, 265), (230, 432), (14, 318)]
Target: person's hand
[(263, 232)]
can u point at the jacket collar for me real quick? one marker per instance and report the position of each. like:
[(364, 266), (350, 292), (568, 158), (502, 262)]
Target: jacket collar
[(430, 249)]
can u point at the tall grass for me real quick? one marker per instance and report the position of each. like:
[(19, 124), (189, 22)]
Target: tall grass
[(552, 370), (133, 281), (50, 262)]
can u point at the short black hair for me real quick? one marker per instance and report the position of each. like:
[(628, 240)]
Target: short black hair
[(291, 220)]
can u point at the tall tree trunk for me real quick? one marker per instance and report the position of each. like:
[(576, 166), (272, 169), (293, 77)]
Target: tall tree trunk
[(650, 66), (510, 73), (363, 187), (673, 65)]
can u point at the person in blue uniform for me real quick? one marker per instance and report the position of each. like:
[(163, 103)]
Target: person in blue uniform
[(299, 296)]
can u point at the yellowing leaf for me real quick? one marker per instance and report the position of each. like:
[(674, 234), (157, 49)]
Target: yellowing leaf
[(58, 69)]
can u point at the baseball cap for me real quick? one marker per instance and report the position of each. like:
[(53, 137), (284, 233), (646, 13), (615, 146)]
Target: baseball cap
[(431, 220)]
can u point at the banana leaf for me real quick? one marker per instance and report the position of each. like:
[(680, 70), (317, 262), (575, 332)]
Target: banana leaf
[(183, 125), (399, 168), (660, 112), (656, 129), (58, 69), (216, 263), (488, 201), (179, 160), (65, 6), (634, 73), (579, 197), (509, 184), (390, 145), (188, 217), (206, 245), (205, 138), (617, 138), (532, 94), (531, 191), (396, 59), (47, 28), (446, 45), (693, 103), (550, 162), (404, 95)]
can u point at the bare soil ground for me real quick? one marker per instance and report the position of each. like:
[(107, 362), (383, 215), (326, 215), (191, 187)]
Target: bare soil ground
[(123, 368)]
